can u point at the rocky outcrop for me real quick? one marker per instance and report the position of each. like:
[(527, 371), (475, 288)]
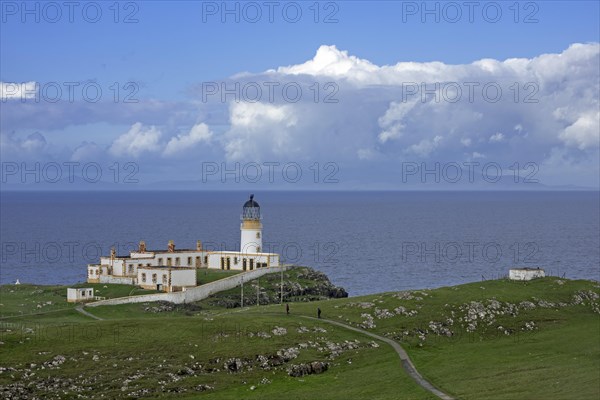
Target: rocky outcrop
[(299, 284), (315, 367)]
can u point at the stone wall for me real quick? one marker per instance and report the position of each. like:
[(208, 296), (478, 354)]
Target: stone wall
[(120, 280), (191, 294)]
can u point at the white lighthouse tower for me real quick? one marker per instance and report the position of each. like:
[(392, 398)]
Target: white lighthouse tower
[(251, 240)]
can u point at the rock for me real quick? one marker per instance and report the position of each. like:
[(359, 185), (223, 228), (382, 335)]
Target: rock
[(203, 388), (315, 367), (233, 365)]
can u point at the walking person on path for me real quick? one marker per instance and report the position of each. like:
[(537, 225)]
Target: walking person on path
[(318, 312), (287, 309)]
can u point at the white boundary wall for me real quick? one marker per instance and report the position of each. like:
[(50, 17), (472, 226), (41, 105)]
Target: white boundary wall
[(191, 294)]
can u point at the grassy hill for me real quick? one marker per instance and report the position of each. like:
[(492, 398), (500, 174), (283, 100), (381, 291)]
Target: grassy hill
[(486, 340)]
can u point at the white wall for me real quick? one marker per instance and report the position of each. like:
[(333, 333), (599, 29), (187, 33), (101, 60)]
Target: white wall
[(179, 277), (120, 280), (191, 294), (79, 294), (183, 277)]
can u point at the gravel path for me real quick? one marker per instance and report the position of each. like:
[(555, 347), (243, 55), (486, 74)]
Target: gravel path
[(82, 311), (406, 362)]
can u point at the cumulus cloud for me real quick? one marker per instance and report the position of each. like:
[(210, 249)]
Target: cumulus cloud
[(542, 109), (138, 140), (32, 144), (17, 91), (497, 137), (584, 133), (260, 130), (87, 151), (425, 146), (180, 143)]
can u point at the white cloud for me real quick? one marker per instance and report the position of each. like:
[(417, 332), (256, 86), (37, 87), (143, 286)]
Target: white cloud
[(425, 146), (17, 91), (199, 133), (391, 121), (497, 137), (332, 62), (138, 140), (377, 119), (12, 145), (260, 130), (365, 154), (87, 151), (584, 133)]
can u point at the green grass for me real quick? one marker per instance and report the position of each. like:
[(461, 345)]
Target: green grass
[(558, 359), (155, 349), (16, 300), (205, 275)]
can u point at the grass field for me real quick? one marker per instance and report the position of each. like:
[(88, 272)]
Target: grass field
[(485, 340), (205, 275)]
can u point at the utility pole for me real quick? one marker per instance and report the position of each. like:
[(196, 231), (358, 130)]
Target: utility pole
[(281, 302), (258, 291), (242, 292)]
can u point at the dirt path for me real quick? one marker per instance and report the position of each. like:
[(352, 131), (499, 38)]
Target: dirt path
[(87, 314), (406, 362)]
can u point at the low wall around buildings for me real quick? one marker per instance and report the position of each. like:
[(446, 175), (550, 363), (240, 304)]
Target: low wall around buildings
[(191, 294), (116, 280)]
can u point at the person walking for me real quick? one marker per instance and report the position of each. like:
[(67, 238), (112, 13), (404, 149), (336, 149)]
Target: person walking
[(287, 309), (318, 312)]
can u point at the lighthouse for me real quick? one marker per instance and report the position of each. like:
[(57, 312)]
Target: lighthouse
[(251, 239)]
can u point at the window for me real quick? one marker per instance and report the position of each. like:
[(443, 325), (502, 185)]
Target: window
[(147, 265), (160, 261), (164, 279), (205, 259), (168, 261), (153, 278), (139, 265), (235, 260), (258, 249), (258, 235), (143, 277), (177, 261), (130, 269), (189, 261)]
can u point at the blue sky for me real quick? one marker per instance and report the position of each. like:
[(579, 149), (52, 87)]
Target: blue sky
[(168, 50)]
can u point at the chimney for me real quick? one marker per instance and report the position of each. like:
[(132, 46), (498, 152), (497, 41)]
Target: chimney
[(171, 247), (199, 245), (142, 247)]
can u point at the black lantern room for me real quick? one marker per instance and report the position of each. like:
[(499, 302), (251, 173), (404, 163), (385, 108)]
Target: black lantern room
[(251, 209)]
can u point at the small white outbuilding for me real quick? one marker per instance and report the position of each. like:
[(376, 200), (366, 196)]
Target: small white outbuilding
[(75, 295), (525, 274)]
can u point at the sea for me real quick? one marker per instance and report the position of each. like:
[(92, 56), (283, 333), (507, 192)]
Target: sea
[(366, 242)]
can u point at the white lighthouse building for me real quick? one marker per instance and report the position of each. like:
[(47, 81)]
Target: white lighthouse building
[(251, 227), (174, 270)]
